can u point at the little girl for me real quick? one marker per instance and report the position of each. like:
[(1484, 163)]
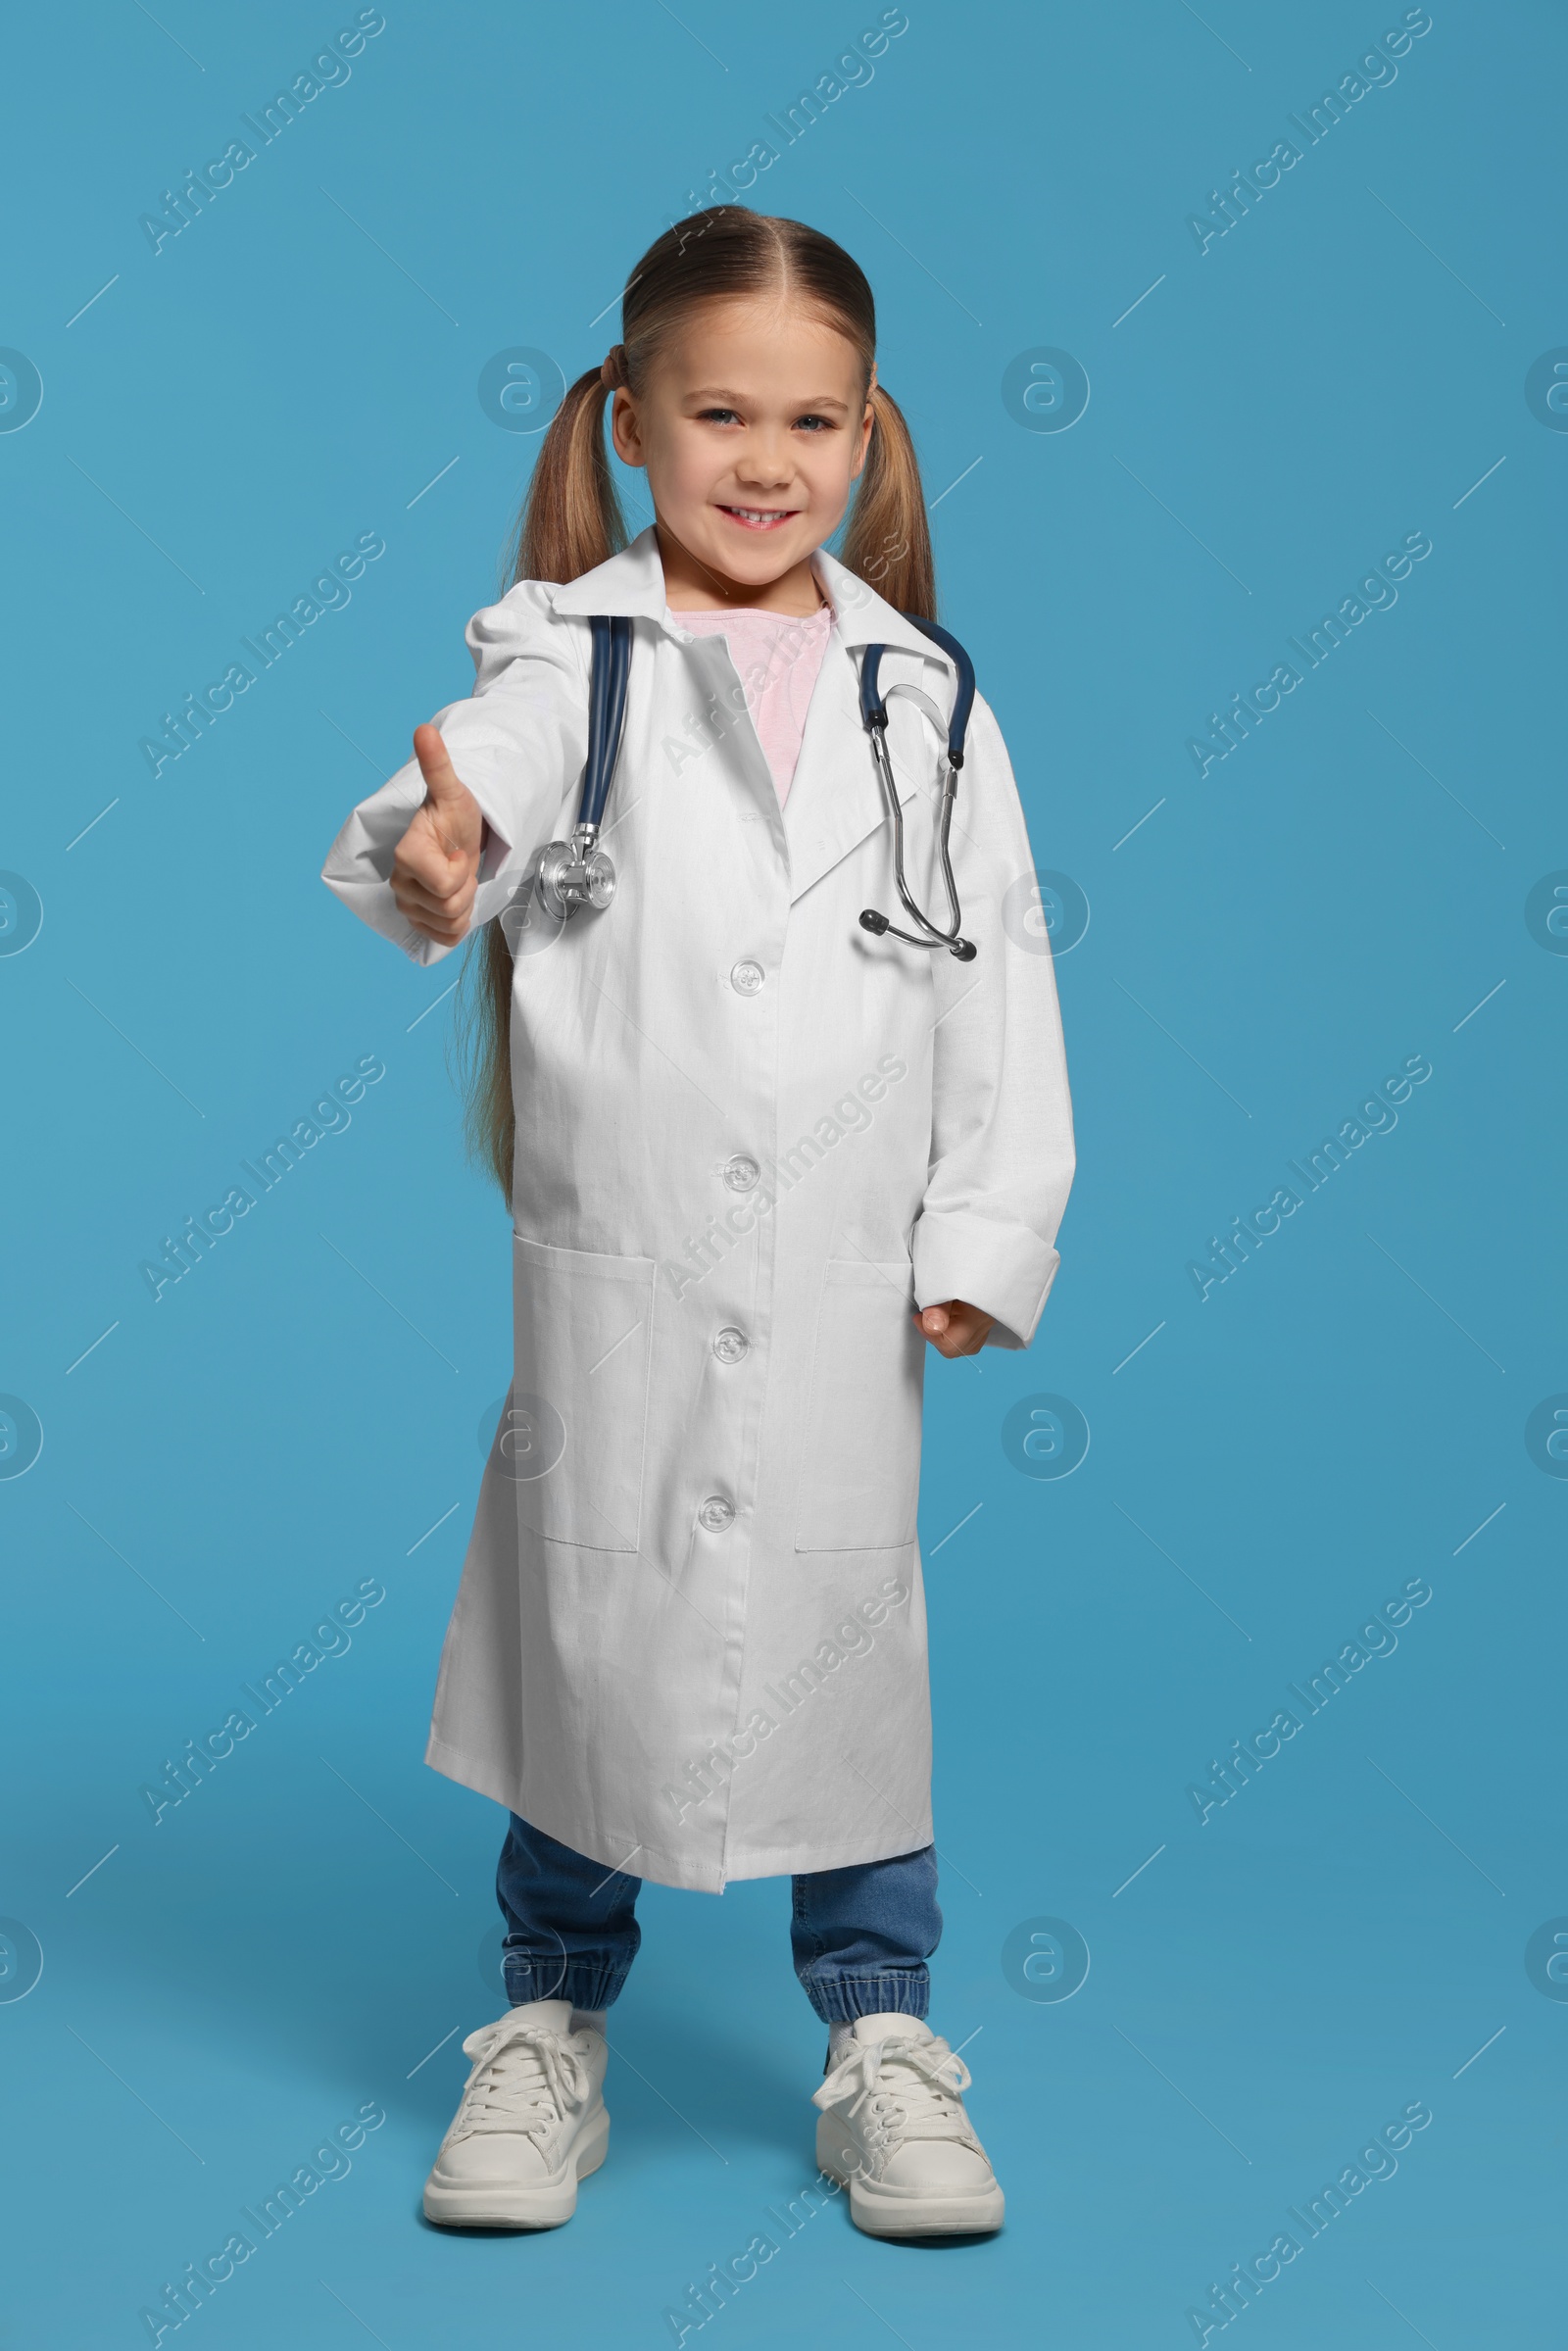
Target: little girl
[(758, 1156)]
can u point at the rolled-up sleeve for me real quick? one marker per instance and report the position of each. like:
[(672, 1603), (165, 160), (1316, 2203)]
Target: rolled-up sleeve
[(518, 742), (1001, 1139)]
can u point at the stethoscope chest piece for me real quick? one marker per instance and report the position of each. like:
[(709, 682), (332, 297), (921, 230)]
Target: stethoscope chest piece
[(574, 873)]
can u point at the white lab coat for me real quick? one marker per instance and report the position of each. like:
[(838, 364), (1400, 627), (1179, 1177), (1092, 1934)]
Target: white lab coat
[(690, 1639)]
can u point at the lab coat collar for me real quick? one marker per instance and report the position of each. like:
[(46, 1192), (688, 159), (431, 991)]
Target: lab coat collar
[(631, 582), (835, 800), (634, 583)]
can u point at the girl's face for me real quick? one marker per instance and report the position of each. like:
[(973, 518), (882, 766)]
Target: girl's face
[(751, 427)]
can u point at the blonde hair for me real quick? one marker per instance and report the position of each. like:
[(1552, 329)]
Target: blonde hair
[(571, 521)]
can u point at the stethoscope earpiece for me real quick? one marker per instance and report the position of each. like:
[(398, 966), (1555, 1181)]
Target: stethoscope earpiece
[(874, 717), (880, 927)]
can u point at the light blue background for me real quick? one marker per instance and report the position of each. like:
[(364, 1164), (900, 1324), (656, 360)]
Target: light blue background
[(1275, 1462)]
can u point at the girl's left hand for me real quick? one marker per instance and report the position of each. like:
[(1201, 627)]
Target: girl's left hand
[(955, 1329)]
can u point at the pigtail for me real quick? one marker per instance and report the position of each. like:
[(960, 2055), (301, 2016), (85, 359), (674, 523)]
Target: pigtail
[(483, 1025), (888, 541), (571, 520)]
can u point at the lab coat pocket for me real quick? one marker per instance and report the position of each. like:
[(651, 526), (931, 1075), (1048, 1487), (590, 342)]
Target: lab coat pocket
[(583, 1346), (859, 1476)]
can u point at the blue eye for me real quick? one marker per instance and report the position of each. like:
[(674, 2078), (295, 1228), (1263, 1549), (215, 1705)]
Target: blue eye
[(728, 416)]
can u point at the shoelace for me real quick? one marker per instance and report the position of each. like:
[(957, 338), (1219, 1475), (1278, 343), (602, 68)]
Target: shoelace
[(905, 2088), (523, 2077)]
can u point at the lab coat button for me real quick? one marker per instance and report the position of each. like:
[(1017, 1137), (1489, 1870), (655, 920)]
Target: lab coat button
[(741, 1173), (747, 978), (730, 1345), (717, 1513)]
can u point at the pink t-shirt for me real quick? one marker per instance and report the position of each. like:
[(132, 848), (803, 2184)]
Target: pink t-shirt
[(776, 659)]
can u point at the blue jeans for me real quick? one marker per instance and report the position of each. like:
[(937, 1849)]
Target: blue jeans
[(860, 1937)]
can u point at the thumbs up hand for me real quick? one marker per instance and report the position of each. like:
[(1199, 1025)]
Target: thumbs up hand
[(436, 871)]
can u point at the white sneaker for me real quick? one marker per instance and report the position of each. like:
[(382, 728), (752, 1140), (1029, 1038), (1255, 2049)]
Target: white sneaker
[(894, 2127), (531, 2124)]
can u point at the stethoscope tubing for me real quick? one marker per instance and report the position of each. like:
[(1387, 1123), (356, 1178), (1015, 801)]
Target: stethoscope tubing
[(874, 718), (933, 935), (607, 712)]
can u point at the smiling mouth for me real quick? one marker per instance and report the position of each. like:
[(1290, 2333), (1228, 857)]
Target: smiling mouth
[(758, 518)]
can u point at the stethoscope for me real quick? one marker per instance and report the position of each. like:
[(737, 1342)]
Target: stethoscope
[(574, 873), (578, 872)]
